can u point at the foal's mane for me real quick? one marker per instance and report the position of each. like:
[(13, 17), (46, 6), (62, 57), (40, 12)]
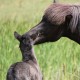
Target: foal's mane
[(57, 13)]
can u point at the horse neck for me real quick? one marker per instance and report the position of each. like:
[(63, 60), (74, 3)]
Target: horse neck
[(29, 55)]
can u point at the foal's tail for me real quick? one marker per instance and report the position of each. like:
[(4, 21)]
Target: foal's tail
[(55, 1)]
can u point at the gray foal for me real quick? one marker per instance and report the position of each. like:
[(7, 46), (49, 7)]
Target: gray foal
[(28, 69)]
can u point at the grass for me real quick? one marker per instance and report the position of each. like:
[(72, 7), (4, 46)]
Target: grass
[(58, 61)]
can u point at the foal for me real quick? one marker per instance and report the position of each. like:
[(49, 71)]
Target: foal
[(28, 69)]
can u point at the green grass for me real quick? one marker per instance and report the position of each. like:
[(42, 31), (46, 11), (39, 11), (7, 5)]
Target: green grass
[(58, 61)]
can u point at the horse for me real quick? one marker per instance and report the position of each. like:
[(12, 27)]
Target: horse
[(59, 20), (28, 68)]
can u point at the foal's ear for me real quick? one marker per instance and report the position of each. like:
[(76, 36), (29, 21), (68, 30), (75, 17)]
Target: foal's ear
[(17, 36)]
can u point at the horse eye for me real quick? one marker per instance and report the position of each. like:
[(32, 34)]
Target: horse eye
[(40, 33)]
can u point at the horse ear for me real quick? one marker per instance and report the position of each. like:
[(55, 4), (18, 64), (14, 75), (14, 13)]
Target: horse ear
[(68, 17), (17, 36)]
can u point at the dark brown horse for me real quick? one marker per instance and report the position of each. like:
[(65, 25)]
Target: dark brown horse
[(58, 21)]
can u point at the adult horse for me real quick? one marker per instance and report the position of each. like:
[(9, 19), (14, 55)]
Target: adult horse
[(58, 21)]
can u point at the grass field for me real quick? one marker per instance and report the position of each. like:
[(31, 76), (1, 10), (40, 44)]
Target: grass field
[(58, 61)]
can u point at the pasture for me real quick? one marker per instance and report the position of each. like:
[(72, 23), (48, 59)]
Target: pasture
[(58, 60)]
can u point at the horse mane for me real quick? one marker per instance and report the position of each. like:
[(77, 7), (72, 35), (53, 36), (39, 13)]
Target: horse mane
[(57, 13), (75, 21)]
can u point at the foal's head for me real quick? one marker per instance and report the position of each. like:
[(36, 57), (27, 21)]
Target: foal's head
[(25, 42)]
